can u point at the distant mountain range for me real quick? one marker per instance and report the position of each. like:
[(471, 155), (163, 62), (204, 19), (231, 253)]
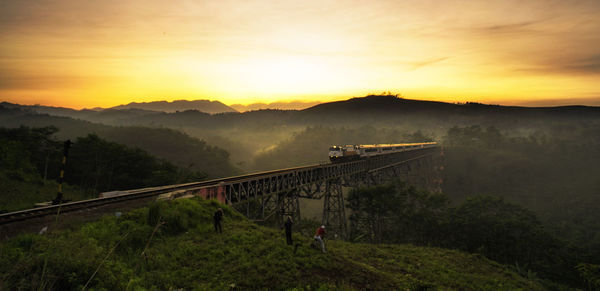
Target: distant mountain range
[(377, 104), (382, 110), (206, 106), (294, 105), (246, 133)]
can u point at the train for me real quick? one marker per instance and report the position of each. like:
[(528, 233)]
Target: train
[(216, 189), (347, 153)]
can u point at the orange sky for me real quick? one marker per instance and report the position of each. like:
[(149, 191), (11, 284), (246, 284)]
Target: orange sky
[(78, 54)]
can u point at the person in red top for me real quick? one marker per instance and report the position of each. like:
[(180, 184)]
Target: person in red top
[(319, 235)]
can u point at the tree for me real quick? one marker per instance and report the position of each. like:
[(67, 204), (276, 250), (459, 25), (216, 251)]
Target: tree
[(397, 213)]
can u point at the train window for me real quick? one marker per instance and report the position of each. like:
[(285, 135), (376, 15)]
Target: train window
[(370, 150), (387, 149)]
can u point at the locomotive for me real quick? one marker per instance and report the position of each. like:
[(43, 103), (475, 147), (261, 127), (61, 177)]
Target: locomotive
[(347, 153)]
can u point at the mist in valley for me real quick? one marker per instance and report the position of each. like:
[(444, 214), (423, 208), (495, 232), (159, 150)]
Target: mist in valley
[(543, 160)]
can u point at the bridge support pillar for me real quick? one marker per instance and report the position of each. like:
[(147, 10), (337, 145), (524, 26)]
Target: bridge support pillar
[(289, 206), (269, 206), (334, 216)]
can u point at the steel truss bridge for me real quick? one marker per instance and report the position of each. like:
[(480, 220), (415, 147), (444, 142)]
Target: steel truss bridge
[(261, 196), (278, 193)]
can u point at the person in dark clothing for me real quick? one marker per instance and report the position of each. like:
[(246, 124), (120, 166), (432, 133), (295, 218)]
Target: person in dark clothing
[(218, 217), (288, 230)]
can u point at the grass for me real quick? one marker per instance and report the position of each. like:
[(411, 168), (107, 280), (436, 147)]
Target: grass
[(171, 245), (21, 191)]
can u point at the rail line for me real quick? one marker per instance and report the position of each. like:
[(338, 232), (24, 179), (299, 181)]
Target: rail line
[(7, 218), (229, 189)]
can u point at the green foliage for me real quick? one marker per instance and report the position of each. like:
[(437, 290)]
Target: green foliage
[(504, 232), (553, 172), (508, 234), (172, 245), (23, 156), (98, 165), (397, 213), (168, 144), (30, 159), (176, 147), (29, 149), (591, 274), (21, 190)]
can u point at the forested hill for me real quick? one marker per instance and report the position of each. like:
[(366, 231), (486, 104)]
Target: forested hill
[(171, 145), (30, 163), (372, 109), (389, 104)]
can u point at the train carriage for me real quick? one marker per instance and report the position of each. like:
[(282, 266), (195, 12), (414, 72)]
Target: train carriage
[(353, 152)]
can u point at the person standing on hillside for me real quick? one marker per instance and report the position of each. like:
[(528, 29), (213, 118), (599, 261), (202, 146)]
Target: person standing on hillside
[(319, 235), (288, 230), (218, 216)]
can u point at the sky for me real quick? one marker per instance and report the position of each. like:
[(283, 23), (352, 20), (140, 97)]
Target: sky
[(78, 54)]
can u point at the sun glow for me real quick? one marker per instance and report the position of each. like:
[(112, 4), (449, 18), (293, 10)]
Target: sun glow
[(69, 53)]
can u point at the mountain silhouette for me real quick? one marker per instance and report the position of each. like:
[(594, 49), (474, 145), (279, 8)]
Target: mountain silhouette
[(206, 106), (387, 110), (292, 105), (393, 105)]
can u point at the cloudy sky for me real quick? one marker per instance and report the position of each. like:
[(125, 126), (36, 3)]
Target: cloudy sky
[(78, 53)]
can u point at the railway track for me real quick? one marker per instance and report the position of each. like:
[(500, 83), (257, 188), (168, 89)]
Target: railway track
[(232, 189), (128, 196)]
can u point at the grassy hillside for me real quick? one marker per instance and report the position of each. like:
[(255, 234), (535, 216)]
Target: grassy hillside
[(22, 190), (173, 245)]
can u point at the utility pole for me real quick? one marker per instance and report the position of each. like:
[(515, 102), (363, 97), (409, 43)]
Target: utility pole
[(59, 195)]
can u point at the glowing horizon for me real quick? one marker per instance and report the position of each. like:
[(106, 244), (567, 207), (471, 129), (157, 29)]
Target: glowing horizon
[(83, 55)]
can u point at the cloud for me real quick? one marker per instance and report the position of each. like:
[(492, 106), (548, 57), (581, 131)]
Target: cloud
[(418, 65), (209, 47), (24, 80), (587, 65), (592, 101), (509, 28)]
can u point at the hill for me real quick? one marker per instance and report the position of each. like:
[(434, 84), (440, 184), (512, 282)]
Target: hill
[(395, 104), (389, 111), (107, 116), (206, 106), (168, 144), (172, 245), (30, 163), (373, 109), (251, 134), (293, 105), (392, 110)]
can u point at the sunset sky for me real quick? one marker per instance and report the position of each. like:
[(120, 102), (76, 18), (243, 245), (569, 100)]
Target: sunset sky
[(78, 53)]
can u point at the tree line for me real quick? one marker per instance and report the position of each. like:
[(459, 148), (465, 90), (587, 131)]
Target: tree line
[(507, 233), (33, 156), (553, 173)]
